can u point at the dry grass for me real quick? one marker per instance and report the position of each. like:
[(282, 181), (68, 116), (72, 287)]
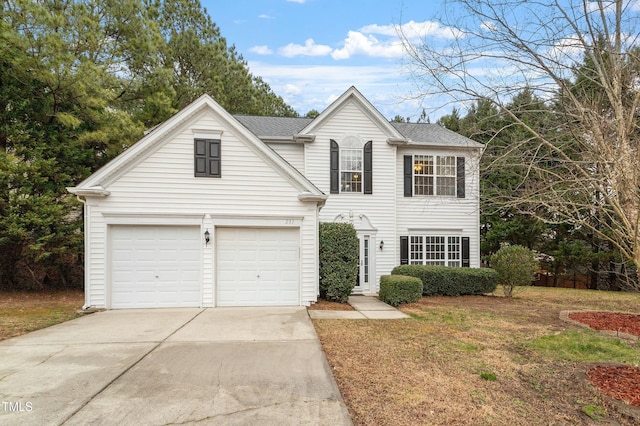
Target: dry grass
[(429, 369), (22, 312)]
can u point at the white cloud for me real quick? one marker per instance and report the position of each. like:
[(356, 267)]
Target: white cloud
[(413, 29), (567, 50), (291, 89), (315, 87), (261, 50), (265, 16), (358, 43), (377, 41), (310, 48), (297, 1), (488, 26)]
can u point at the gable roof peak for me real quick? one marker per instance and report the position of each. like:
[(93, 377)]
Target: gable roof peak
[(352, 93)]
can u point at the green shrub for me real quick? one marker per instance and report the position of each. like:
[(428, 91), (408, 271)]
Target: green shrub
[(450, 281), (338, 260), (398, 289), (515, 266)]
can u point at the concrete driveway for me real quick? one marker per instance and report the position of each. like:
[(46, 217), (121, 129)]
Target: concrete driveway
[(171, 366)]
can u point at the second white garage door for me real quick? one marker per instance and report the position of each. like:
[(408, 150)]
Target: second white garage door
[(257, 266)]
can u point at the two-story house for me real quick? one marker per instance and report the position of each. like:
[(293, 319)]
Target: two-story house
[(210, 209)]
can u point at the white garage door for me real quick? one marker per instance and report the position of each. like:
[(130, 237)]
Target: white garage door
[(155, 266), (257, 266)]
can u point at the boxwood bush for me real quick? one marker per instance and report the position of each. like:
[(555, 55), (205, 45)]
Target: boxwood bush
[(449, 281), (338, 260), (398, 289)]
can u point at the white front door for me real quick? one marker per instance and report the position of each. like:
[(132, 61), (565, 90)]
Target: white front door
[(365, 266)]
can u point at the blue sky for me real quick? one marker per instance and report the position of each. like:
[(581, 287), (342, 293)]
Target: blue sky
[(311, 51)]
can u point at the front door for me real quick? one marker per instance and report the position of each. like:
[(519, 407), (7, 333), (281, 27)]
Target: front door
[(364, 266)]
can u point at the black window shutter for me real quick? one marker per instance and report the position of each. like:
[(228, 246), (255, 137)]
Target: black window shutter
[(214, 158), (404, 250), (368, 168), (334, 167), (460, 177), (200, 157), (206, 154), (466, 262), (408, 175)]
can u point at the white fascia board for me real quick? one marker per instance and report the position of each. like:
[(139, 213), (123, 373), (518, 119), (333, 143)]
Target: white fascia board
[(96, 191), (472, 145), (398, 141)]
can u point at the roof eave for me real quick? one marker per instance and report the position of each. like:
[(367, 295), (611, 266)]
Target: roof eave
[(94, 191), (398, 141)]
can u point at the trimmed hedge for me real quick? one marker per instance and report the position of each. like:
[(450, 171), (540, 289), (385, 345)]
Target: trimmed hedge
[(338, 260), (450, 281), (398, 289)]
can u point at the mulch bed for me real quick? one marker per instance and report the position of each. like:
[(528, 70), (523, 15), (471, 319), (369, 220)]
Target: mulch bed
[(622, 383), (611, 321), (619, 382)]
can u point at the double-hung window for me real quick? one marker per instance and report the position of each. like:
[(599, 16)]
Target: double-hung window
[(442, 175), (351, 166), (351, 170)]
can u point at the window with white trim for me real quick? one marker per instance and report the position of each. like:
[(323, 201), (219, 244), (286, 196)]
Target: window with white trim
[(351, 170), (434, 175), (446, 176), (442, 250)]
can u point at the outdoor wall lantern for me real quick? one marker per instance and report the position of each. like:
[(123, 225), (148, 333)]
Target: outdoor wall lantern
[(206, 237), (381, 245)]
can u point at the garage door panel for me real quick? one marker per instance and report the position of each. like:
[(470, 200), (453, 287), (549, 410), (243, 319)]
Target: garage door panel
[(155, 266), (257, 266)]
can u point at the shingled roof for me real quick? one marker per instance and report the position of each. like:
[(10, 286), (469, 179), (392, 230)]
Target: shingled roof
[(265, 127), (433, 134), (417, 133)]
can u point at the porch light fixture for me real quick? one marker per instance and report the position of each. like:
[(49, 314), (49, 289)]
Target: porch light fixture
[(381, 245), (207, 237)]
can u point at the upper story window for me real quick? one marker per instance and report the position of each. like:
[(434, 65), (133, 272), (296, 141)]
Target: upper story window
[(434, 175), (351, 170), (351, 166), (206, 153)]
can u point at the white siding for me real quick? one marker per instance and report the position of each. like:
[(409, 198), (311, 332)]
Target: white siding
[(387, 209), (379, 206), (442, 215), (293, 153), (162, 186)]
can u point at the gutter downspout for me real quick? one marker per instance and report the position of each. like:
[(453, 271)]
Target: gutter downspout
[(85, 215)]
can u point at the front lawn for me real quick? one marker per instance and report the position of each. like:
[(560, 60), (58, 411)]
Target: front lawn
[(479, 360), (22, 312)]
